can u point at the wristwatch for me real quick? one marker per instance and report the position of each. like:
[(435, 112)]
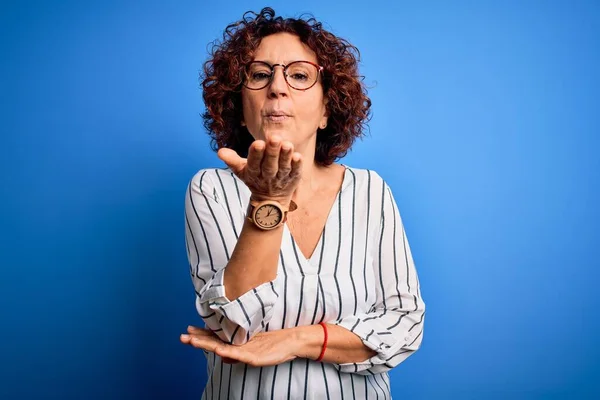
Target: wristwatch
[(268, 214)]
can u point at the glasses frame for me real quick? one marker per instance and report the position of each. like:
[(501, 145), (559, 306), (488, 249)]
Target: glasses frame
[(285, 76)]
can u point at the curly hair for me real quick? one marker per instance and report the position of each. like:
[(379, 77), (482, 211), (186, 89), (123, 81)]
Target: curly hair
[(348, 107)]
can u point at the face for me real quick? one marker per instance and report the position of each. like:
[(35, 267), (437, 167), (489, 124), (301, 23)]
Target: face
[(293, 114)]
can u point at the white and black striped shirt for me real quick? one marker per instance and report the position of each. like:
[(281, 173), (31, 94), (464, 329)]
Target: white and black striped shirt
[(360, 276)]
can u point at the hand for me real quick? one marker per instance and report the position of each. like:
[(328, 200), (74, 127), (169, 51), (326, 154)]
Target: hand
[(262, 350), (272, 170)]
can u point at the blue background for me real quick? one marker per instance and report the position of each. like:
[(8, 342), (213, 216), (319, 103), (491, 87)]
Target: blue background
[(485, 124)]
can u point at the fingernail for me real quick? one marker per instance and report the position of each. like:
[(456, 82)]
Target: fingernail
[(184, 336)]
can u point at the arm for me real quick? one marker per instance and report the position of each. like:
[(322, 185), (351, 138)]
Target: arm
[(343, 346), (210, 240), (279, 346), (235, 293), (255, 258)]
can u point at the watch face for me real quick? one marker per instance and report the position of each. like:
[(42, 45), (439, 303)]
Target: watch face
[(268, 216)]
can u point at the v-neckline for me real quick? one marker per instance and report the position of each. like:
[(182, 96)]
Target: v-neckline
[(334, 207)]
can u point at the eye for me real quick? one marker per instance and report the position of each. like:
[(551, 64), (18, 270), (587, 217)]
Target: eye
[(260, 75), (299, 76), (302, 73)]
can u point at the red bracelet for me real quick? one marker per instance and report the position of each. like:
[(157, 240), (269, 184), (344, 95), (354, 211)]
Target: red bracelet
[(324, 341)]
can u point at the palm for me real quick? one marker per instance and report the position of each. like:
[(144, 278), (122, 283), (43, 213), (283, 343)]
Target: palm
[(271, 171), (263, 349)]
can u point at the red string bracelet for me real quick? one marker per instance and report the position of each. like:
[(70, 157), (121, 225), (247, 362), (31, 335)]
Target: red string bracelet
[(324, 341)]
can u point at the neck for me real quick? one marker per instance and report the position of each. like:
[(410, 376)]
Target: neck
[(314, 176), (309, 182)]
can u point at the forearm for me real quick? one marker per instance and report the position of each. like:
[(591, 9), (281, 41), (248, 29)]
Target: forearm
[(343, 346), (254, 260)]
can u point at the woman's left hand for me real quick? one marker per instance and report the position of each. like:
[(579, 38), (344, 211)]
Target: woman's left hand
[(262, 350)]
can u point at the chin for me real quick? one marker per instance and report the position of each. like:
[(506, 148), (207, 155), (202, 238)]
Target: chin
[(280, 131)]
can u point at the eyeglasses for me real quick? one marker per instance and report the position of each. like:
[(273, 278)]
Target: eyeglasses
[(299, 75)]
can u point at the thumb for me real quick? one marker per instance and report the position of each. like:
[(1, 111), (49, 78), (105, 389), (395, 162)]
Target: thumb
[(232, 159)]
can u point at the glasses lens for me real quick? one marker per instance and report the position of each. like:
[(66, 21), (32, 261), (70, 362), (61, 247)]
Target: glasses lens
[(258, 75), (301, 75)]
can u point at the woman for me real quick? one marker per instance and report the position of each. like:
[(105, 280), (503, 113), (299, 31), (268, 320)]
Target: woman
[(302, 271)]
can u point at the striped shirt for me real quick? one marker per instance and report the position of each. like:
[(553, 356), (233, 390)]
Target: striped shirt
[(361, 276)]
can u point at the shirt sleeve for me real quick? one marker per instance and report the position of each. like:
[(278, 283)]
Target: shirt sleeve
[(211, 235), (394, 326)]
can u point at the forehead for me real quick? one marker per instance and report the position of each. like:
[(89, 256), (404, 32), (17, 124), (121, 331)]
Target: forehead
[(283, 48)]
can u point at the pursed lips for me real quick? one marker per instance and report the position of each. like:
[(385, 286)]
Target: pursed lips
[(277, 116)]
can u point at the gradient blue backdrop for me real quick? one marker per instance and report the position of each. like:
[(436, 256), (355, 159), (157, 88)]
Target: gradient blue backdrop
[(485, 124)]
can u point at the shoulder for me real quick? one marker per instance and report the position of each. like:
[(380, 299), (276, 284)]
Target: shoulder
[(369, 185), (219, 184), (208, 179), (362, 177)]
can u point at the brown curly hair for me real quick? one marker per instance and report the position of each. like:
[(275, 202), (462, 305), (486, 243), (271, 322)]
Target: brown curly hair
[(348, 106)]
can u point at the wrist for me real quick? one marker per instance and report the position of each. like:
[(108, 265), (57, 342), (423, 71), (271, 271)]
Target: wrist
[(309, 341), (283, 200)]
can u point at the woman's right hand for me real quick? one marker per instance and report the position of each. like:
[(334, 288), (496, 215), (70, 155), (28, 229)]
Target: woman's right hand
[(272, 170)]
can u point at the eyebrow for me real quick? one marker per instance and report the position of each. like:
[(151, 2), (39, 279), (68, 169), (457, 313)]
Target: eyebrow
[(286, 63)]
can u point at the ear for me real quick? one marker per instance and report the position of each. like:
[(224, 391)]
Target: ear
[(323, 123)]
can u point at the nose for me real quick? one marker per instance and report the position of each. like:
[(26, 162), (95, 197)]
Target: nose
[(278, 86)]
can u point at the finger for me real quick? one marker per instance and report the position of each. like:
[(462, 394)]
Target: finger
[(240, 354), (296, 166), (193, 328), (232, 353), (209, 343), (270, 163), (199, 331), (185, 338), (285, 159), (255, 157), (232, 159), (228, 360)]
